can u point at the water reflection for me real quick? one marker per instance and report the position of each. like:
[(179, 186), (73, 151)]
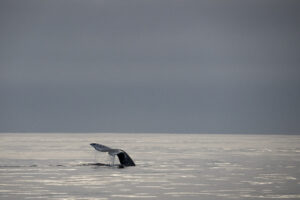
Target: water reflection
[(177, 167)]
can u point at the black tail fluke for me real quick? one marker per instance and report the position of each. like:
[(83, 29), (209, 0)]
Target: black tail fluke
[(125, 159)]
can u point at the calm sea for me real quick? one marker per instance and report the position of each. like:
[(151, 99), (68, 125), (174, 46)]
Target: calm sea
[(169, 166)]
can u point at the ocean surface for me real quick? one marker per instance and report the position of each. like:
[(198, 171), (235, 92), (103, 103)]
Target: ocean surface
[(169, 166)]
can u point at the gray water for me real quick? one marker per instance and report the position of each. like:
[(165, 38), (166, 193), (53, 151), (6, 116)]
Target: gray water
[(169, 166)]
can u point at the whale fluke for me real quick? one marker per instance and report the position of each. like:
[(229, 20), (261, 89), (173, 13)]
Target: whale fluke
[(124, 158)]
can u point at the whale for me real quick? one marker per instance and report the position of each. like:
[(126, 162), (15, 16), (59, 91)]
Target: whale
[(124, 158)]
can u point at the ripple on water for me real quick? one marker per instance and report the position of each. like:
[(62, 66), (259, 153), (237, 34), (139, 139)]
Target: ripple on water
[(134, 196), (285, 196)]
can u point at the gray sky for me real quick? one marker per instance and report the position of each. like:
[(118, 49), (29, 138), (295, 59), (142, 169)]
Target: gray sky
[(210, 66)]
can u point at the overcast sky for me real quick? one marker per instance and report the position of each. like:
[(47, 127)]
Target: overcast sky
[(185, 66)]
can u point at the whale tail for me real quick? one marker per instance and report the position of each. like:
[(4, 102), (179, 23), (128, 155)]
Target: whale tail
[(124, 158)]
